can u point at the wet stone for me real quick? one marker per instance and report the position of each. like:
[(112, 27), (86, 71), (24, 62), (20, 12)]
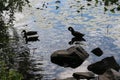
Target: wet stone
[(97, 51), (70, 78), (101, 66), (71, 57), (110, 74), (83, 75)]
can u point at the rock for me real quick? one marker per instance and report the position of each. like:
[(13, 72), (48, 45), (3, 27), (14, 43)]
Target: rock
[(110, 74), (71, 57), (97, 51), (69, 78), (79, 51), (101, 66), (59, 57), (83, 75)]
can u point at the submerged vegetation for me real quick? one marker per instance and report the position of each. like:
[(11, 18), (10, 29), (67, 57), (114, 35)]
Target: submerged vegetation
[(7, 65), (9, 74), (8, 70), (7, 10), (108, 5)]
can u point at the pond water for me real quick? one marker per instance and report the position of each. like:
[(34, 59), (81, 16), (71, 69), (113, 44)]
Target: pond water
[(51, 19)]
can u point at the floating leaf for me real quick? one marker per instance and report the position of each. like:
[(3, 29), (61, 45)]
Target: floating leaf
[(105, 9), (118, 8), (113, 10), (89, 0), (78, 11)]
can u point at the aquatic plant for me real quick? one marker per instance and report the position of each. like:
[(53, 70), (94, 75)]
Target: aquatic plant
[(108, 5), (7, 53), (8, 74)]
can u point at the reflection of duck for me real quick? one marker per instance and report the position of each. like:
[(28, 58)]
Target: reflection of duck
[(31, 39), (29, 33), (75, 33), (75, 39)]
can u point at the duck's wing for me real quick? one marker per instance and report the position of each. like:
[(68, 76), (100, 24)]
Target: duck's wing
[(31, 32), (79, 34)]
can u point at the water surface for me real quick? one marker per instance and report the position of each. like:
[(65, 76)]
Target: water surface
[(52, 19)]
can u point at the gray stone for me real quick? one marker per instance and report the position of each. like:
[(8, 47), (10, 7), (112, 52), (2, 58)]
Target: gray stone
[(83, 75), (71, 57), (69, 78), (110, 74), (101, 66), (97, 51)]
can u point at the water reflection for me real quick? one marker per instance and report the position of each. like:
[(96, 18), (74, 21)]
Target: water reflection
[(17, 56), (76, 40), (27, 68)]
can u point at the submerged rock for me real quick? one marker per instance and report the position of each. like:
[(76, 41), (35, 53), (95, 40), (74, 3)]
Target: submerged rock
[(69, 78), (101, 66), (110, 74), (83, 75), (97, 51), (72, 57)]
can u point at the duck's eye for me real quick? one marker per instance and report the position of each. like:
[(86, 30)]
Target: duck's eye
[(69, 28)]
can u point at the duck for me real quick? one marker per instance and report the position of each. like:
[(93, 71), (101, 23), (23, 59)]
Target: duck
[(30, 36), (75, 33), (29, 32)]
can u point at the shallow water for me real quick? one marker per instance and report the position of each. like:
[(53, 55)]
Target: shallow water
[(51, 22)]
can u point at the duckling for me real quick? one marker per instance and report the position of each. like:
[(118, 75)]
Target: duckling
[(75, 33), (29, 32)]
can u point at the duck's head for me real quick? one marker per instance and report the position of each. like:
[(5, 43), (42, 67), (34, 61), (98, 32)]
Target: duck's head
[(70, 29), (23, 31)]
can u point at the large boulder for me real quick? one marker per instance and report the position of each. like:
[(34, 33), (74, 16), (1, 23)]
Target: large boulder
[(71, 57), (101, 66), (110, 74)]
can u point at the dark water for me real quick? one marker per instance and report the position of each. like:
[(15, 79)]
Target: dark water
[(52, 20)]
